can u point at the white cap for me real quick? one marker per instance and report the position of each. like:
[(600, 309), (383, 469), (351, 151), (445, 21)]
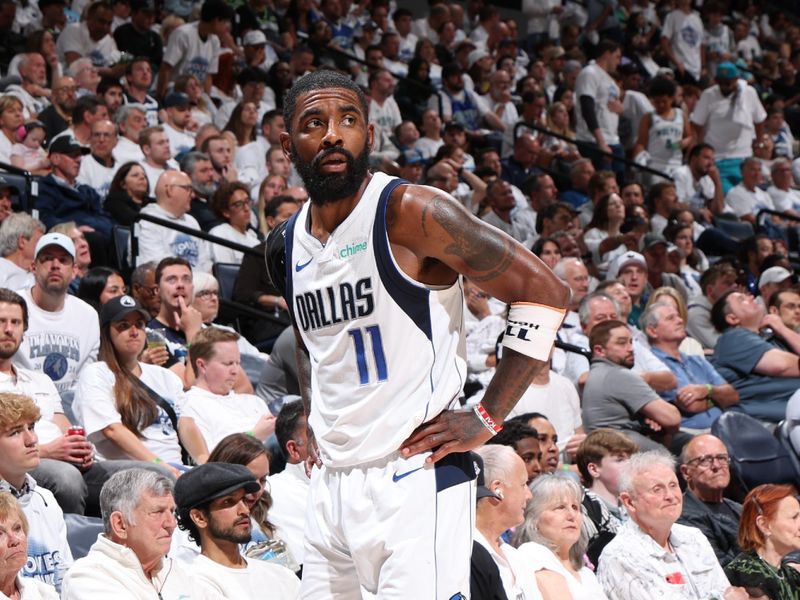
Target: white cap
[(773, 275), (254, 37), (55, 239), (626, 260), (476, 55)]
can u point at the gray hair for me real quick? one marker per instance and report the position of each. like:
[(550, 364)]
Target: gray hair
[(748, 161), (77, 66), (190, 160), (16, 225), (576, 165), (560, 270), (779, 162), (650, 318), (124, 489), (203, 281), (641, 462), (140, 273), (583, 307), (497, 462), (546, 490), (124, 112)]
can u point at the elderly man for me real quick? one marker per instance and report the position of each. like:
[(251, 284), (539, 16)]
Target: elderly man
[(98, 169), (580, 173), (173, 201), (765, 372), (19, 234), (213, 504), (138, 522), (616, 398), (701, 391), (57, 116), (205, 180), (652, 556), (747, 198), (705, 465), (521, 165), (785, 304), (32, 91), (501, 498), (131, 119), (506, 215)]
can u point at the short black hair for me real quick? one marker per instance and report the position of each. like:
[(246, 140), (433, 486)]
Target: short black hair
[(697, 149), (106, 83), (170, 261), (513, 431), (719, 311), (286, 422), (216, 9), (271, 209), (270, 115), (86, 104), (662, 86), (400, 13), (320, 79)]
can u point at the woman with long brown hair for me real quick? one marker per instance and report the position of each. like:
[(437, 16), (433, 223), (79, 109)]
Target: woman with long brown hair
[(128, 408), (243, 123)]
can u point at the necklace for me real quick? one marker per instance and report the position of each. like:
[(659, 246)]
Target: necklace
[(163, 583), (778, 573)]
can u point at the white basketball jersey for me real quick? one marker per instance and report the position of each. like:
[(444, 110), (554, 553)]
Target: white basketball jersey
[(387, 352)]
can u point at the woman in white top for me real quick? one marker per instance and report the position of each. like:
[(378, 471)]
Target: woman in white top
[(231, 203), (11, 119), (550, 540), (14, 555), (122, 418), (603, 237)]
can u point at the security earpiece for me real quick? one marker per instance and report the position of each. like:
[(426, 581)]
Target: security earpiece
[(499, 494)]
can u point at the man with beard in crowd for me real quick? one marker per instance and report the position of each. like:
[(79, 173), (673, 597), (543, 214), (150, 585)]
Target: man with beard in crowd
[(375, 265), (58, 115)]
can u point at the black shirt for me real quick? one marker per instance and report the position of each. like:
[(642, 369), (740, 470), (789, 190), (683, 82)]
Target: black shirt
[(139, 44)]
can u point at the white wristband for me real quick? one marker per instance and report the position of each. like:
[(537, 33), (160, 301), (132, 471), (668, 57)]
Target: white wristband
[(531, 329)]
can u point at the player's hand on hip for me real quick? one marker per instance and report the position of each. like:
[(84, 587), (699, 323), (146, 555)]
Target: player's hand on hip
[(450, 431), (313, 459)]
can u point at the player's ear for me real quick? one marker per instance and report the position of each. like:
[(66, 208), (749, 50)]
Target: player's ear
[(370, 136), (286, 144)]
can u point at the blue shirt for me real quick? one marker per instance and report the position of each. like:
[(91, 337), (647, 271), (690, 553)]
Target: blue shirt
[(688, 370)]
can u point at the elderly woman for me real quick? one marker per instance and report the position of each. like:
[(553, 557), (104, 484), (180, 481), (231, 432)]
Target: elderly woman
[(14, 555), (550, 540), (768, 530), (652, 556), (11, 119), (231, 204)]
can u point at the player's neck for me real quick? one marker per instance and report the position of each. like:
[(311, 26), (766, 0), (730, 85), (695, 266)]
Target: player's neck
[(327, 217)]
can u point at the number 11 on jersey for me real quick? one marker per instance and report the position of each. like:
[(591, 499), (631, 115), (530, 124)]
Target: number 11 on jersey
[(373, 332)]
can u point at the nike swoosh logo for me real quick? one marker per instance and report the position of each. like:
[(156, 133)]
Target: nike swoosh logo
[(299, 267), (398, 476)]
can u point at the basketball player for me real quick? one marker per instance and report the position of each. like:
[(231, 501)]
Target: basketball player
[(371, 278)]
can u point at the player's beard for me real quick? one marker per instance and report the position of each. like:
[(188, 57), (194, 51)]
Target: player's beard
[(324, 188)]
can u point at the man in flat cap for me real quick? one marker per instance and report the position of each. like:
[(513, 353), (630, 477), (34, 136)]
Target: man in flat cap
[(213, 504)]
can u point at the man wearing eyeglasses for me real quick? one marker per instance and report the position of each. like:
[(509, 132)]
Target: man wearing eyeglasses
[(705, 465), (98, 169), (173, 201)]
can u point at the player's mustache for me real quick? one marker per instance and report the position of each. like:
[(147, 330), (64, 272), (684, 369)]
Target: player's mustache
[(328, 152)]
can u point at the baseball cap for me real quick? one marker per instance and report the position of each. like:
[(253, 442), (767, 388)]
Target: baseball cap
[(623, 261), (254, 37), (468, 43), (174, 99), (454, 125), (410, 157), (66, 144), (55, 239), (727, 70), (483, 491), (653, 239), (120, 307), (210, 481), (477, 55), (774, 275)]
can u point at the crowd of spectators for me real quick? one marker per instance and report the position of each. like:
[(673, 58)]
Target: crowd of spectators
[(632, 146)]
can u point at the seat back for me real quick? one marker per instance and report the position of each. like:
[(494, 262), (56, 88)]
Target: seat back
[(756, 456), (82, 532), (122, 236), (738, 230), (226, 274), (782, 434)]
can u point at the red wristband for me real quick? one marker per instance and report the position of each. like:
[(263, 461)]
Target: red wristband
[(487, 419)]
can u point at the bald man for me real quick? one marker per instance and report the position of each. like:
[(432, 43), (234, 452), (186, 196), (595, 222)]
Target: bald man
[(705, 465), (173, 200)]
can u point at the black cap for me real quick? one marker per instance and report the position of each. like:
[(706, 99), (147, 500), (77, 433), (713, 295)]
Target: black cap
[(483, 491), (250, 75), (653, 239), (202, 484), (174, 99), (120, 307), (66, 144), (142, 5), (453, 125)]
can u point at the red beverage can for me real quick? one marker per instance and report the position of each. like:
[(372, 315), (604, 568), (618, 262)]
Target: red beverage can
[(76, 430)]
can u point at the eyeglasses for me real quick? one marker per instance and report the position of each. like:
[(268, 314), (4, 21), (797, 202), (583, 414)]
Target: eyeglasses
[(238, 204), (207, 294), (707, 460), (123, 326), (103, 134), (184, 186)]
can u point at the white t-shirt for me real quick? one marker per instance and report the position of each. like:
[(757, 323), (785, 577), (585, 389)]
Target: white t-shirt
[(5, 148), (179, 141), (157, 242), (784, 199), (740, 201), (13, 277), (729, 122), (39, 387), (217, 416), (96, 175), (127, 151), (222, 254), (685, 32), (694, 193), (428, 147), (539, 558), (289, 491), (76, 38), (595, 82), (189, 55), (385, 116), (558, 401), (519, 580), (96, 408), (258, 579), (59, 344)]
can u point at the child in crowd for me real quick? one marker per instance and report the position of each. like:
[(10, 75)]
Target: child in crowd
[(28, 152)]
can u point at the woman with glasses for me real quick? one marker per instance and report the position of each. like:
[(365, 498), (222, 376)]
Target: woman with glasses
[(768, 530), (128, 408), (231, 203)]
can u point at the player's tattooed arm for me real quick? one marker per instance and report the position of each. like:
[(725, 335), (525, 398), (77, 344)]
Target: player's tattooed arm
[(304, 382)]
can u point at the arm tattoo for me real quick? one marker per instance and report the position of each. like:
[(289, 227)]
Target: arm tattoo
[(488, 256)]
